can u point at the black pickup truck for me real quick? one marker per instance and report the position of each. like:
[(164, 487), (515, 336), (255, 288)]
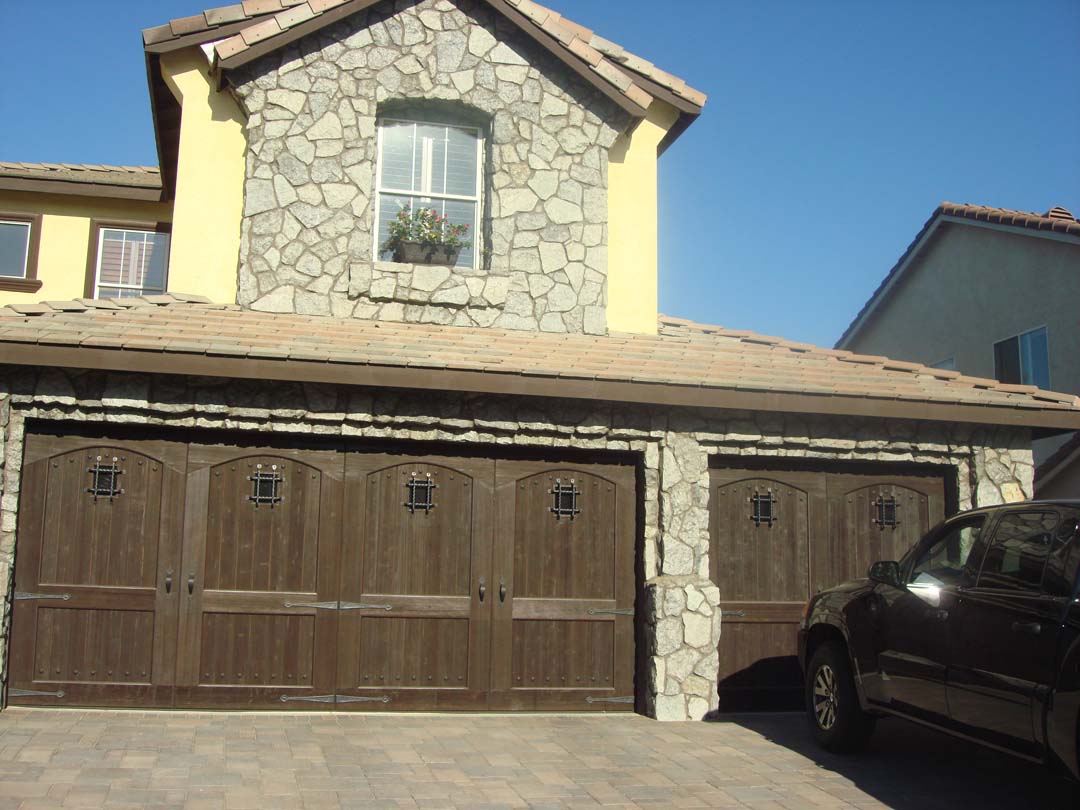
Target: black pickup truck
[(976, 632)]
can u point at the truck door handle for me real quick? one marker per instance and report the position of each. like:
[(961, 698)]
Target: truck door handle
[(1031, 628)]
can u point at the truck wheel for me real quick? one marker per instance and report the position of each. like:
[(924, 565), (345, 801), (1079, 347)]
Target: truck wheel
[(836, 719)]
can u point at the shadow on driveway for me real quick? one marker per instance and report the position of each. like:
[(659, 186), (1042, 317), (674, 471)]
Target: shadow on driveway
[(908, 767)]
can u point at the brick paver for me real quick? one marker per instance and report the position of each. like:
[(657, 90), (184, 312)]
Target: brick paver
[(116, 759)]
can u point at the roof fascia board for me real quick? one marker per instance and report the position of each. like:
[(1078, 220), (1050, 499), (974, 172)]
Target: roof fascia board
[(253, 52), (894, 277), (513, 384), (1019, 230), (202, 37), (79, 189), (556, 48)]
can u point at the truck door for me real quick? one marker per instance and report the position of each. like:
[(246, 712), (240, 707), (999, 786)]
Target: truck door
[(1004, 634), (914, 620)]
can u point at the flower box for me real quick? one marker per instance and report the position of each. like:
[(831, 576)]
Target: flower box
[(426, 253)]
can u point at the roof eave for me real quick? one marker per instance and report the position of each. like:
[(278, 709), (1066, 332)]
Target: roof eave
[(44, 185), (1045, 421)]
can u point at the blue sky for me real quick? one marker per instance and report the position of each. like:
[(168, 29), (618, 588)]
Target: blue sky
[(832, 129)]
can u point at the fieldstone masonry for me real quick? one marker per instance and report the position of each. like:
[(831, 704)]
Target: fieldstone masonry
[(309, 203), (679, 603)]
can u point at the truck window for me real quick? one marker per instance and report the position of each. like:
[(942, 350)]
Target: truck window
[(1059, 578), (951, 559), (1018, 551)]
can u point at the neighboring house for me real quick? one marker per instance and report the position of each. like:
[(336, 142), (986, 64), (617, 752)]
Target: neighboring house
[(343, 481), (990, 293)]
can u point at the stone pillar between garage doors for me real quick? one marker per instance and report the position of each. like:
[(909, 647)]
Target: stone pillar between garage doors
[(681, 604)]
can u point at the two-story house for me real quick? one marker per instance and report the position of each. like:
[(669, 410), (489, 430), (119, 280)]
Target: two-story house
[(255, 456), (991, 293)]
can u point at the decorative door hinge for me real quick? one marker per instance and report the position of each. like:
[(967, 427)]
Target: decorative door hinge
[(308, 698), (362, 606), (360, 699), (617, 611), (627, 699), (735, 614), (13, 692), (24, 595), (338, 605)]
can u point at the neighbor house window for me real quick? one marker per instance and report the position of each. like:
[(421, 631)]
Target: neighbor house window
[(128, 262), (19, 237), (425, 165), (1024, 359)]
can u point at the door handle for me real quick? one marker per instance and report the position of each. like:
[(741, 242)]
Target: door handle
[(168, 581), (502, 590), (191, 583), (483, 589), (1031, 628)]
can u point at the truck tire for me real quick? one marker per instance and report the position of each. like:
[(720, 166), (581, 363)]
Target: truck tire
[(837, 721)]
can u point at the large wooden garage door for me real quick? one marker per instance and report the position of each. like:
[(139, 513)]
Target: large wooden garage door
[(780, 536), (153, 573), (96, 595)]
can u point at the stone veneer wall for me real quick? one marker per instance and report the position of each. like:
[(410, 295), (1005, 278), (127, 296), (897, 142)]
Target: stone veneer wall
[(680, 603), (309, 201)]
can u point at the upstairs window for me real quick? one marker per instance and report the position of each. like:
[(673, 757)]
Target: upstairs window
[(425, 165), (19, 237), (129, 262), (1024, 359)]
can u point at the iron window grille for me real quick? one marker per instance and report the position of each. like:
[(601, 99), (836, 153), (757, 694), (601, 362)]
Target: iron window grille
[(421, 493), (763, 508), (565, 499), (885, 509), (105, 479), (265, 486)]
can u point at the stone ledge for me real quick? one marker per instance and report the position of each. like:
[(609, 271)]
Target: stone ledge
[(434, 284)]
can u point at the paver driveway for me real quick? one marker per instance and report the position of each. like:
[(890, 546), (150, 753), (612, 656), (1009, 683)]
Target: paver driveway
[(71, 758)]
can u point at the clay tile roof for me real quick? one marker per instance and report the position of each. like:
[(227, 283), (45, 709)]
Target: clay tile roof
[(132, 176), (685, 364), (1057, 220), (623, 75)]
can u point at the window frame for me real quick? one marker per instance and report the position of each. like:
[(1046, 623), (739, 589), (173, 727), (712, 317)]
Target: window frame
[(1020, 355), (98, 226), (478, 200), (29, 282), (986, 522)]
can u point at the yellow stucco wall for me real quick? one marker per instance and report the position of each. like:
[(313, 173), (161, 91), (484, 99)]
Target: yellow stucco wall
[(632, 224), (210, 181), (65, 237)]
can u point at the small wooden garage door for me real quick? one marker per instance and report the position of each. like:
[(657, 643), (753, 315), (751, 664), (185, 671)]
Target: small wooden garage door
[(779, 536), (154, 573)]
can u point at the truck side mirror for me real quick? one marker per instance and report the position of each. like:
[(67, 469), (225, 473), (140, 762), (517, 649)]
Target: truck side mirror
[(886, 572)]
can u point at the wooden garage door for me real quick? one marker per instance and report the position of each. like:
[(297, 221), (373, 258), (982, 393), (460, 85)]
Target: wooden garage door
[(258, 619), (415, 627), (96, 595), (154, 573), (564, 580), (779, 536)]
